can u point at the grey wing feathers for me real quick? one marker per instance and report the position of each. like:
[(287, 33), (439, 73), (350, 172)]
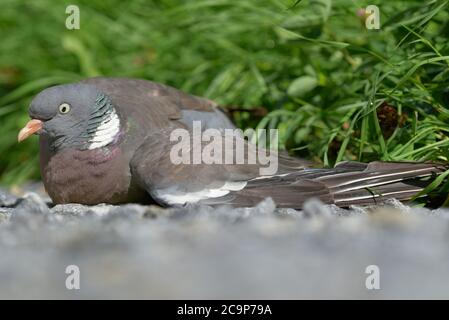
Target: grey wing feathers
[(348, 184), (163, 103), (145, 88)]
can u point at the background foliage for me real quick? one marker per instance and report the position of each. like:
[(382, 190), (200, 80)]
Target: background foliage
[(334, 89)]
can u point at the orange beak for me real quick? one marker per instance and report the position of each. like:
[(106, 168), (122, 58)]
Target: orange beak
[(31, 127)]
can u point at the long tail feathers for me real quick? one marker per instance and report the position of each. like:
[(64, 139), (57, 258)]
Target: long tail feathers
[(380, 181), (349, 183)]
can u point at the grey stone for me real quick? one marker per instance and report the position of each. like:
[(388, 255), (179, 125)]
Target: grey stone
[(199, 252), (69, 209), (74, 209), (32, 203), (7, 199), (5, 214), (315, 207), (35, 187), (265, 207)]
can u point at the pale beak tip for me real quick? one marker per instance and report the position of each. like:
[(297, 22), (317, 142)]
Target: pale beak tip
[(30, 128), (22, 134)]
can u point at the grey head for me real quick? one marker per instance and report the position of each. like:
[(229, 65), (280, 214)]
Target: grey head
[(73, 115)]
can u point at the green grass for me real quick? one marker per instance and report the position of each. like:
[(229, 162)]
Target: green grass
[(336, 90)]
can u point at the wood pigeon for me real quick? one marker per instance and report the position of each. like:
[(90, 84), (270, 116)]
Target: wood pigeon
[(110, 140)]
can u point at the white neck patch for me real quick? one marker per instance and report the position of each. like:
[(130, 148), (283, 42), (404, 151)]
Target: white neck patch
[(106, 132)]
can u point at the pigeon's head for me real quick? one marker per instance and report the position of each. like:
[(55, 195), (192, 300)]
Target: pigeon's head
[(73, 115)]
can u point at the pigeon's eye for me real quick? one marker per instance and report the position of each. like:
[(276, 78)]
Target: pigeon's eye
[(64, 108)]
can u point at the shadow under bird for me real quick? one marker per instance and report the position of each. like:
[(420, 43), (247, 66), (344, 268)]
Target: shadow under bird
[(107, 140)]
